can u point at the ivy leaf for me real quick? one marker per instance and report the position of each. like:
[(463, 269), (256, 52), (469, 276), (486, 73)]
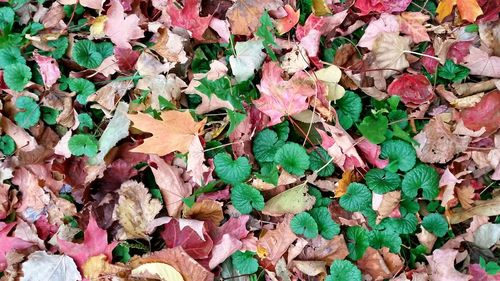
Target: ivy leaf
[(381, 181), (10, 55), (232, 171), (29, 114), (360, 241), (318, 158), (235, 118), (7, 145), (86, 54), (327, 228), (343, 270), (401, 155), (16, 76), (245, 197), (385, 238), (436, 224), (245, 262), (293, 158), (453, 72), (357, 198), (422, 176), (83, 87), (304, 224), (374, 128), (265, 145), (349, 109), (83, 144)]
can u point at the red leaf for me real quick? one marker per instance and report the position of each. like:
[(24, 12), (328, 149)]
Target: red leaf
[(120, 27), (126, 58), (188, 239), (429, 64), (8, 244), (483, 114), (188, 18), (380, 6), (414, 89), (95, 242), (458, 51), (283, 25), (372, 152)]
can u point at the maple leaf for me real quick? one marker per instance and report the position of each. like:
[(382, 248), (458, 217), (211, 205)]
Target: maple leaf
[(481, 63), (412, 24), (274, 243), (469, 9), (49, 69), (389, 50), (244, 15), (279, 97), (126, 58), (121, 28), (8, 244), (442, 266), (95, 242), (175, 132), (386, 23), (379, 6), (188, 17), (380, 264), (187, 238), (414, 89)]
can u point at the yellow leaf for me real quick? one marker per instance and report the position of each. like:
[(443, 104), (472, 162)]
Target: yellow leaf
[(174, 132), (342, 184), (98, 265), (469, 10), (157, 270), (445, 8), (320, 8), (97, 28), (292, 201)]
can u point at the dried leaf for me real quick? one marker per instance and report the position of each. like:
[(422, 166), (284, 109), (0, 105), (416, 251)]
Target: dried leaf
[(442, 266), (291, 201), (481, 208), (41, 266), (274, 243)]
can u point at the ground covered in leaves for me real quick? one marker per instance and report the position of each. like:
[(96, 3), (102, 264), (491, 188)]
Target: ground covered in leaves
[(250, 140)]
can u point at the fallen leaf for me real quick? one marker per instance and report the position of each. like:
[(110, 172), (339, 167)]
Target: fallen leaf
[(310, 268), (9, 244), (188, 17), (380, 264), (390, 201), (385, 24), (320, 249), (175, 132), (487, 235), (292, 201), (97, 267), (343, 183), (126, 59), (469, 9), (274, 243), (205, 210), (244, 15), (295, 60), (371, 152), (247, 60), (465, 195), (284, 24), (195, 167), (481, 208), (49, 69), (41, 266), (481, 63), (389, 50), (483, 114), (121, 28), (175, 235), (170, 46), (442, 266), (426, 238), (412, 24), (156, 270), (227, 246)]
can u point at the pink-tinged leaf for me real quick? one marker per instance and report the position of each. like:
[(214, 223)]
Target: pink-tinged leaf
[(279, 97), (458, 51), (126, 58), (483, 114), (188, 17), (442, 266), (340, 146), (380, 6), (412, 24), (121, 28), (429, 64), (491, 10), (188, 239), (414, 89), (227, 246), (222, 28), (283, 25), (481, 63), (385, 24), (49, 69), (479, 274), (95, 242), (235, 227), (394, 6), (8, 244), (371, 152)]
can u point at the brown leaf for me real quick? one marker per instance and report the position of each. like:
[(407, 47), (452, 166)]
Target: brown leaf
[(97, 266), (325, 250), (465, 195), (310, 268), (205, 210), (380, 264), (244, 15), (481, 208), (170, 46), (390, 201), (343, 183), (442, 266), (389, 50), (135, 210), (274, 243), (427, 239), (108, 95), (174, 132)]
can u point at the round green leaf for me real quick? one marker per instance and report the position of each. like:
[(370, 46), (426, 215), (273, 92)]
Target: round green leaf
[(16, 76), (381, 181), (374, 128), (293, 158), (385, 238), (436, 224), (422, 176), (304, 224), (83, 144), (9, 56), (265, 145), (85, 121), (401, 155), (348, 109), (359, 241), (357, 198), (403, 225), (83, 87), (326, 226), (232, 171), (245, 262), (318, 158), (49, 115), (7, 145), (343, 270), (245, 197), (86, 54), (29, 113)]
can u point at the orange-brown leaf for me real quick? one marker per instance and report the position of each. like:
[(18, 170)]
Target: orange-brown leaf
[(469, 10)]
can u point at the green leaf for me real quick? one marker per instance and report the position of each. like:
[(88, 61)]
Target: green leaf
[(105, 49), (60, 46), (232, 171), (348, 109), (359, 238), (222, 89), (436, 224), (374, 128), (83, 144), (398, 116), (268, 173), (357, 198), (16, 76), (424, 177), (320, 200), (29, 114), (266, 32), (10, 55), (318, 158), (293, 158), (235, 118), (7, 145), (265, 145), (403, 225), (7, 15), (453, 72), (122, 252), (343, 270), (49, 115), (385, 238), (492, 268), (282, 129), (304, 224), (401, 155), (83, 87), (244, 197), (327, 228), (245, 262), (381, 181), (85, 121), (86, 54)]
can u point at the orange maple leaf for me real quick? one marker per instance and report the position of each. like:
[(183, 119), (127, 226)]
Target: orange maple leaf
[(175, 132), (469, 10)]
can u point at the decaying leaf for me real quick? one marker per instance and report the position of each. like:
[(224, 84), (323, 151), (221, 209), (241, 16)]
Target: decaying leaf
[(274, 243), (292, 201), (41, 266), (442, 266), (481, 208)]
